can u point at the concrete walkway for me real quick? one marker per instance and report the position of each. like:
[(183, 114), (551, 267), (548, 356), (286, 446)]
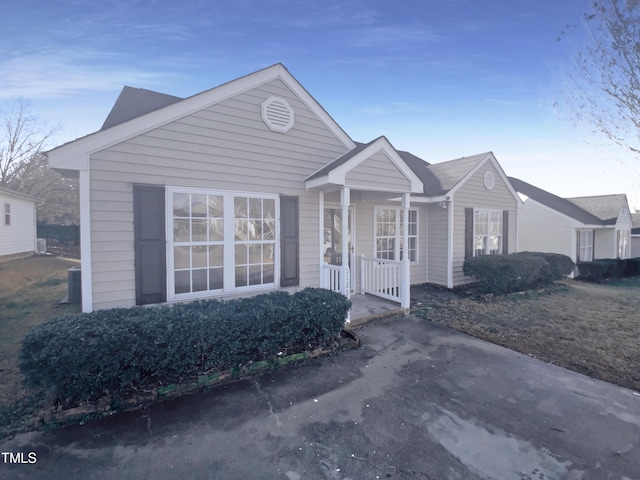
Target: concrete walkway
[(415, 402)]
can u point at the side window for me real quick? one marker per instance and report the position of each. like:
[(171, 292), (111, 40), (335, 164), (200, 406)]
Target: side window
[(7, 214)]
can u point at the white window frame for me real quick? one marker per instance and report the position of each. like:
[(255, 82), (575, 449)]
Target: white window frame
[(398, 248), (623, 241), (229, 243), (7, 214), (585, 244), (486, 249)]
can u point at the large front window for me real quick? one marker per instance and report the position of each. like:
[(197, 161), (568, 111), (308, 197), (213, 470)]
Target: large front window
[(220, 241), (388, 234), (623, 239), (487, 232), (585, 246)]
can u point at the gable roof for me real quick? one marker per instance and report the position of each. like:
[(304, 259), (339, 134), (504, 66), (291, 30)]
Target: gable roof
[(441, 178), (74, 155), (605, 207), (335, 171), (135, 102), (565, 206)]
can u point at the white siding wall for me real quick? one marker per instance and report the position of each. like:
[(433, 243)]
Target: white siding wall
[(541, 229), (20, 236), (605, 243), (474, 194), (226, 146), (437, 244)]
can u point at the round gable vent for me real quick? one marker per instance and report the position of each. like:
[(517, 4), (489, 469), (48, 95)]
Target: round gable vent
[(277, 114), (489, 181)]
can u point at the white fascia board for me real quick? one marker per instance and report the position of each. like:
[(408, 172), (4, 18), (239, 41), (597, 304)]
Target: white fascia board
[(75, 155)]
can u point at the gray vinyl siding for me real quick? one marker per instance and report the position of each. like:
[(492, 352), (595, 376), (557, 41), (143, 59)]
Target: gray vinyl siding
[(437, 244), (474, 194), (541, 229), (378, 171), (225, 146)]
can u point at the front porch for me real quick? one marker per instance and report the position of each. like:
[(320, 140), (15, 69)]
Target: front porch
[(367, 307)]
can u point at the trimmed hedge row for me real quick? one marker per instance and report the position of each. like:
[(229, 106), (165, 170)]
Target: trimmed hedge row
[(86, 356), (518, 271), (608, 269)]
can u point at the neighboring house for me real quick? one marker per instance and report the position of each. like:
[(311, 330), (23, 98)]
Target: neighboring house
[(18, 223), (583, 228), (635, 235), (245, 188)]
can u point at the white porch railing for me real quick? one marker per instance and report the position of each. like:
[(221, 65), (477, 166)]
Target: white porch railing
[(332, 277), (381, 277)]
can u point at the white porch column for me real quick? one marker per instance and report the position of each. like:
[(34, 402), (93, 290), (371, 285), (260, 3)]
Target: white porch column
[(323, 283), (405, 283), (345, 199)]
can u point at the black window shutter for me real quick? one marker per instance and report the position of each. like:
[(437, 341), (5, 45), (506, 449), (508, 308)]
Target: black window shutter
[(468, 233), (289, 241), (149, 244), (505, 232), (593, 244), (577, 245)]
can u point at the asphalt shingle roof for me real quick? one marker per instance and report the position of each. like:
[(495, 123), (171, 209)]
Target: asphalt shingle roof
[(135, 102), (588, 210)]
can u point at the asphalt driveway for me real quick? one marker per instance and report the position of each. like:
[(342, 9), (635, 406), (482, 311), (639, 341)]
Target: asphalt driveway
[(416, 401)]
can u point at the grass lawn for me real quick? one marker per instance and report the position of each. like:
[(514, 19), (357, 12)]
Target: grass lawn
[(592, 329), (30, 293)]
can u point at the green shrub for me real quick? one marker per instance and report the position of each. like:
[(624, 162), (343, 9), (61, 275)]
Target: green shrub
[(504, 273), (82, 357), (555, 265), (594, 271), (633, 267)]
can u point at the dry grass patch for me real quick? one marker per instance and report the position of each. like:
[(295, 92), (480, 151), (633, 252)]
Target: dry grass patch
[(30, 293), (589, 328)]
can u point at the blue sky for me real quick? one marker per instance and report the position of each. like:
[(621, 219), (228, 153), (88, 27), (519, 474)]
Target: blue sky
[(441, 78)]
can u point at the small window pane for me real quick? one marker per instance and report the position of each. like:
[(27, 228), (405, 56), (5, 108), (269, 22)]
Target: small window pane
[(240, 207), (254, 228), (199, 280), (181, 257), (255, 253), (267, 253), (216, 255), (199, 256), (198, 230), (216, 230), (268, 275), (268, 230), (241, 254), (255, 208), (241, 276), (255, 274), (268, 208), (216, 276), (241, 229), (181, 204), (181, 230), (198, 205), (216, 206), (182, 281)]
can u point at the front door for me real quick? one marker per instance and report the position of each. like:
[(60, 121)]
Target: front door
[(333, 239)]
